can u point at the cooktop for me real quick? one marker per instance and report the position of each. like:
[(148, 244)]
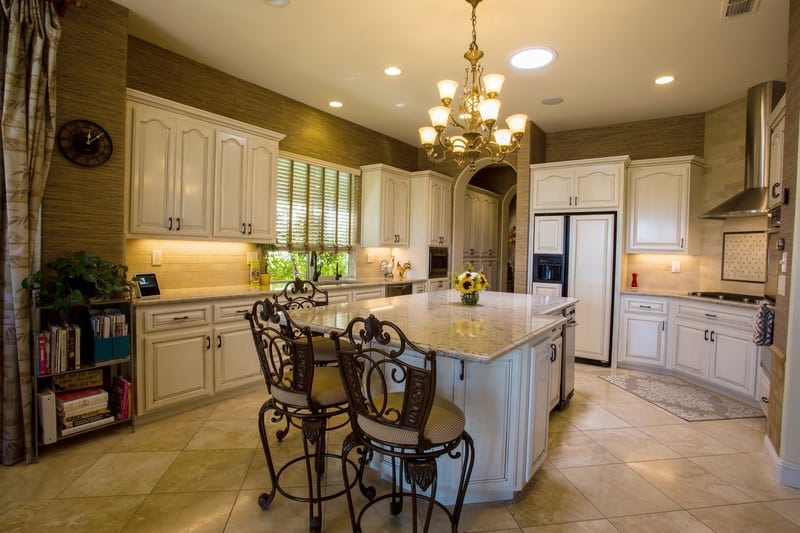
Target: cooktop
[(731, 296)]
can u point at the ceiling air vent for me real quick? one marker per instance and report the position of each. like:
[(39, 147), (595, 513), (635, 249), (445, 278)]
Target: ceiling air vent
[(734, 8)]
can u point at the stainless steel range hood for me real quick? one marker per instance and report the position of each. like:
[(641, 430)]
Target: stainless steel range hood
[(753, 200)]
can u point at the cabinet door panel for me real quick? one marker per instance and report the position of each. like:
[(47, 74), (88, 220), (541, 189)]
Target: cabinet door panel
[(644, 340), (177, 367), (546, 289), (153, 147), (231, 166), (597, 186), (261, 193), (691, 348), (658, 208), (236, 362), (733, 362), (193, 174), (548, 235), (552, 189), (538, 411)]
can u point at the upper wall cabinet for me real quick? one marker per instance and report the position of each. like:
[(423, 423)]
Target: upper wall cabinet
[(776, 128), (177, 155), (664, 200), (586, 184), (171, 171), (385, 203), (436, 191)]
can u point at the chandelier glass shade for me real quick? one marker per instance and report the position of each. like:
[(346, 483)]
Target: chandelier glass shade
[(469, 128)]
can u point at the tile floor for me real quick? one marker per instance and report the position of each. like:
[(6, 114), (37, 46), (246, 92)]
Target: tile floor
[(615, 463)]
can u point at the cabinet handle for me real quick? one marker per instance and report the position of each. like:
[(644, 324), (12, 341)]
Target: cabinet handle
[(186, 317), (243, 228), (663, 324), (645, 307), (249, 229), (219, 341), (576, 201), (208, 342), (570, 200), (169, 223), (552, 353), (681, 242), (461, 375), (241, 311), (709, 315), (776, 190), (764, 399), (705, 335), (178, 224), (712, 336)]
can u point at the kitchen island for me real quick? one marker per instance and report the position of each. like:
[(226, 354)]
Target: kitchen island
[(494, 363)]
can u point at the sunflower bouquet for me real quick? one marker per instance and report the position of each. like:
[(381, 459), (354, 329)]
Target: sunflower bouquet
[(470, 280)]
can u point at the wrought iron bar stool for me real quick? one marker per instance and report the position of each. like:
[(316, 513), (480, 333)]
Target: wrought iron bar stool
[(394, 412), (304, 294), (302, 395)]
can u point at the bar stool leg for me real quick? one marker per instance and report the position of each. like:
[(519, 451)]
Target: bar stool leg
[(266, 498)]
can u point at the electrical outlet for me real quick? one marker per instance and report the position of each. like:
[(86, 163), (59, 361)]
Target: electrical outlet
[(370, 258), (676, 266), (156, 258)]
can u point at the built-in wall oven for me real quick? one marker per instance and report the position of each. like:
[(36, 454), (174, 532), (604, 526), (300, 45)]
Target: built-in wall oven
[(438, 262)]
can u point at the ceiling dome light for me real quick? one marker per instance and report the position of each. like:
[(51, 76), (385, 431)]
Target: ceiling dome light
[(533, 58), (392, 71), (335, 103), (663, 80)]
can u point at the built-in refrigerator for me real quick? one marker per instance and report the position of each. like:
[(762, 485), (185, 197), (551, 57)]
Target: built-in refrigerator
[(573, 255)]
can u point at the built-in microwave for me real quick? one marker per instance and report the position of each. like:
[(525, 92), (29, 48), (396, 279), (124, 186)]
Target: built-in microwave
[(438, 262)]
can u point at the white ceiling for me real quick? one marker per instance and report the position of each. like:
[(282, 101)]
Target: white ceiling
[(609, 52)]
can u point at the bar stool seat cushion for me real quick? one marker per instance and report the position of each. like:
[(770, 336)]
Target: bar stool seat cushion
[(446, 423), (326, 390)]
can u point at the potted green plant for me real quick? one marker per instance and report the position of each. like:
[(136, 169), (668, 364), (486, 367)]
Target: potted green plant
[(69, 282)]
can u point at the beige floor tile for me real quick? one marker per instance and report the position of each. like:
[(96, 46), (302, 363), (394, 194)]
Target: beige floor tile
[(242, 407), (101, 441), (745, 518), (602, 392), (642, 414), (789, 509), (616, 490), (559, 423), (672, 522), (588, 526), (742, 435), (76, 515), (630, 444), (549, 498), (282, 515), (590, 416), (189, 511), (225, 434), (492, 516), (686, 440), (121, 473), (576, 449), (45, 479), (751, 473), (206, 470), (161, 435), (689, 484)]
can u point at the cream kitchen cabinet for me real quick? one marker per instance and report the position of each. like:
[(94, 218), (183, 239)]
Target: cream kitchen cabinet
[(538, 416), (548, 235), (546, 289), (235, 359), (586, 184), (435, 191), (643, 331), (777, 123), (664, 200), (246, 187), (170, 171), (438, 284), (481, 215), (556, 360), (713, 342), (385, 205)]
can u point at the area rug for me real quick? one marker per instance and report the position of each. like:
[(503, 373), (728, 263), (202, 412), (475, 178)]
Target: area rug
[(681, 398)]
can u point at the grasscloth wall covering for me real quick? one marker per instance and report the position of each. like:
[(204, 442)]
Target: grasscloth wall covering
[(308, 131), (82, 207)]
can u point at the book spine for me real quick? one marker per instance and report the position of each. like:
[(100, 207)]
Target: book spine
[(63, 417), (83, 421), (70, 405), (97, 423), (42, 354)]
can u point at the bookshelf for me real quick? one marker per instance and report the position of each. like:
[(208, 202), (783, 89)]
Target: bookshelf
[(84, 371)]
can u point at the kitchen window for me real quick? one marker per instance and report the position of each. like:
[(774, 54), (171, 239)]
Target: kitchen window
[(317, 211)]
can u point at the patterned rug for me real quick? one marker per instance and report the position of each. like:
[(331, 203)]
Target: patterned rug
[(682, 398)]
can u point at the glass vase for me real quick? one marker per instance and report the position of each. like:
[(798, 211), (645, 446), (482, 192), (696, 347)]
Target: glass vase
[(470, 298)]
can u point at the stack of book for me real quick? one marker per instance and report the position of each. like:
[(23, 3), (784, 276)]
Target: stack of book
[(59, 348), (82, 409)]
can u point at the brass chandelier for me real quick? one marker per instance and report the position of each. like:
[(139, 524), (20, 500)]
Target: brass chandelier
[(478, 107)]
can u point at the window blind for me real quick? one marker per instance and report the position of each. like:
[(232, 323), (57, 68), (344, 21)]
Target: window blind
[(317, 206)]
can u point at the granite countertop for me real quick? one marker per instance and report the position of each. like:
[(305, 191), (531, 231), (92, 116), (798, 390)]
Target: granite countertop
[(438, 320), (686, 296)]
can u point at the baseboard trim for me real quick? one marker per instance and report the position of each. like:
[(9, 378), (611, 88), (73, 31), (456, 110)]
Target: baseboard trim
[(786, 473)]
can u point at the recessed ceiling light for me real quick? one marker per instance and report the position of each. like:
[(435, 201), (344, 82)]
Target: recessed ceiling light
[(533, 58), (335, 103), (663, 80), (552, 101), (392, 71), (278, 3)]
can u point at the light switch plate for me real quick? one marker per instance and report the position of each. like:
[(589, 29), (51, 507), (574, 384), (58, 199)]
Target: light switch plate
[(156, 258), (676, 266), (782, 285)]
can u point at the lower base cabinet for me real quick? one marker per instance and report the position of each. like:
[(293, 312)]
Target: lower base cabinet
[(643, 331)]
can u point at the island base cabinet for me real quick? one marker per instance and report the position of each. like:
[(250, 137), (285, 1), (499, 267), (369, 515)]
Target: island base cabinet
[(177, 368), (538, 419)]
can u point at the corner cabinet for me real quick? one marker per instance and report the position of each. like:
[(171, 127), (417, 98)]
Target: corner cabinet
[(587, 184), (193, 174), (643, 331), (385, 205), (664, 201)]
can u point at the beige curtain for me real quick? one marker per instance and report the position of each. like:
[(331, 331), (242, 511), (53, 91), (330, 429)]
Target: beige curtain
[(30, 32)]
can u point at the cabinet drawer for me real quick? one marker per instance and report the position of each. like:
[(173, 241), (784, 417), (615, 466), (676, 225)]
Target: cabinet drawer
[(725, 314), (232, 311), (644, 305), (176, 317)]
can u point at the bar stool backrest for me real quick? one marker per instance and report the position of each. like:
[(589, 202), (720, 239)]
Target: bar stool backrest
[(301, 294), (285, 353), (389, 381)]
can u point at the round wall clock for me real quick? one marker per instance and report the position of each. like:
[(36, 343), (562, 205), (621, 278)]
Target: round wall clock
[(85, 143)]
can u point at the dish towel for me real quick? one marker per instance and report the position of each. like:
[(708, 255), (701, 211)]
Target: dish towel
[(764, 325)]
